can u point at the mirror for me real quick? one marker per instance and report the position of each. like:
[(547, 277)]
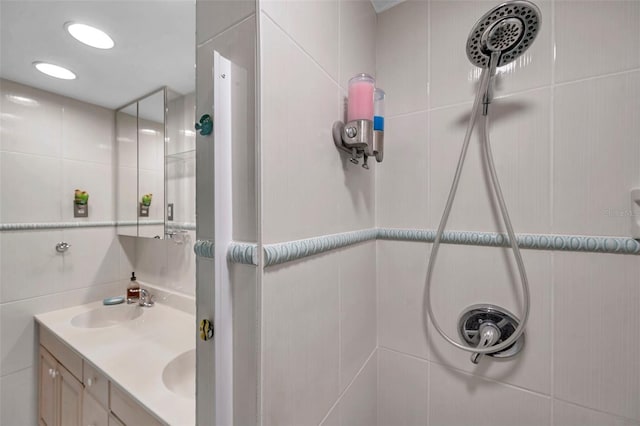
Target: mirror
[(140, 136), (156, 166)]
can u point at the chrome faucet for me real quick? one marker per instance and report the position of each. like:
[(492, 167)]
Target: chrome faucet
[(146, 298)]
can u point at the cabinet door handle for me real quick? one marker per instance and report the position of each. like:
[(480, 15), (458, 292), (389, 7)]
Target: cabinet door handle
[(90, 382), (53, 373)]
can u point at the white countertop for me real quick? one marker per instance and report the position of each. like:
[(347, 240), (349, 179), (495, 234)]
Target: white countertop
[(134, 353)]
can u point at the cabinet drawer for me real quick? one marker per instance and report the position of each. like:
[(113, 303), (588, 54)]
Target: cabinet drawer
[(63, 353), (96, 384), (92, 412), (128, 410)]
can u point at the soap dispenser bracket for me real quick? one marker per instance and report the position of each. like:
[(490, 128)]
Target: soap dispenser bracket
[(359, 140)]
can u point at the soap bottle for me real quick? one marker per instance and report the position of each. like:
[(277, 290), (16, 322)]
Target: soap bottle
[(133, 290)]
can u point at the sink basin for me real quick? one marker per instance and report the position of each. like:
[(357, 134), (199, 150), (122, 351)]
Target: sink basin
[(179, 376), (107, 316)]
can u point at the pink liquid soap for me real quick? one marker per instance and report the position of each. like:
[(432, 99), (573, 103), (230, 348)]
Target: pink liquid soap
[(360, 101)]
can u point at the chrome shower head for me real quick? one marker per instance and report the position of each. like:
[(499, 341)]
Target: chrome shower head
[(508, 29)]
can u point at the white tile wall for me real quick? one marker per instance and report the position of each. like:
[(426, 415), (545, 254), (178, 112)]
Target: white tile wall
[(461, 399), (305, 177), (358, 405), (597, 295), (402, 181), (18, 397), (403, 389), (357, 309), (401, 269), (520, 127), (596, 154), (21, 107), (301, 341), (565, 414), (313, 25), (405, 52), (582, 51), (564, 128)]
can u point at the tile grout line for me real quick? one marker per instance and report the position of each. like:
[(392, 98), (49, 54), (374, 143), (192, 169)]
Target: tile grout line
[(343, 393), (304, 51), (488, 379)]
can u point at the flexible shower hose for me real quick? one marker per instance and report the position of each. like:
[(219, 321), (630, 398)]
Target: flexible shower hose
[(484, 83)]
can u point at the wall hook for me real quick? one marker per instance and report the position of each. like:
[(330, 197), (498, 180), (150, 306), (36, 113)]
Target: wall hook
[(205, 126)]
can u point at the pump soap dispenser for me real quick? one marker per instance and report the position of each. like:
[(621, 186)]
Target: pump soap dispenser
[(133, 290)]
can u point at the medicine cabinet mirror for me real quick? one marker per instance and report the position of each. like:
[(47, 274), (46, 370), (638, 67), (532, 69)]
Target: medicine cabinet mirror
[(156, 166)]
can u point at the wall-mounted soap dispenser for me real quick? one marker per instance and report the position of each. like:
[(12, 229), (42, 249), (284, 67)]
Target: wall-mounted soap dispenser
[(363, 134)]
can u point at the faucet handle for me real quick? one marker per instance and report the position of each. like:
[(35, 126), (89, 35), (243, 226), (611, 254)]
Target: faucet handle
[(489, 336)]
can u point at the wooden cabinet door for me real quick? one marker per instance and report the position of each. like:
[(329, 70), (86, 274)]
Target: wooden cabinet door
[(47, 392), (70, 405)]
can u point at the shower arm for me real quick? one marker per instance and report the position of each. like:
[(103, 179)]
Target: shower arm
[(488, 94)]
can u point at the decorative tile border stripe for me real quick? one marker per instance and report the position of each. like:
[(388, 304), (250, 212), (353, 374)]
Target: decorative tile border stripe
[(275, 254), (245, 253), (238, 252), (294, 250), (66, 225), (204, 248), (581, 243)]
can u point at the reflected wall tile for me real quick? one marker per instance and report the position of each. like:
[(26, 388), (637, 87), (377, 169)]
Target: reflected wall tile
[(87, 132), (596, 37), (596, 154), (466, 276), (402, 179), (300, 341), (448, 388), (565, 414), (401, 271), (30, 187), (597, 295), (401, 57), (22, 106), (358, 334), (520, 129), (454, 79), (403, 389), (30, 265)]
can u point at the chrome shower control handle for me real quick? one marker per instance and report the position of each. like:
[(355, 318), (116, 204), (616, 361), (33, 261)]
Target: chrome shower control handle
[(489, 336)]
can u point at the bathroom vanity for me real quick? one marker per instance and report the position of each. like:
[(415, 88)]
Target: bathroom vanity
[(116, 365)]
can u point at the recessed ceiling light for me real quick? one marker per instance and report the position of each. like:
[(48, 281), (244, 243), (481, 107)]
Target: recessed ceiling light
[(89, 35), (54, 70)]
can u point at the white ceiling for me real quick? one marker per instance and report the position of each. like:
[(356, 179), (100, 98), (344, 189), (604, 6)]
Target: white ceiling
[(155, 46)]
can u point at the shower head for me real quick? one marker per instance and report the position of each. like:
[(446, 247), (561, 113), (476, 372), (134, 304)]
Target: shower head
[(508, 30)]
